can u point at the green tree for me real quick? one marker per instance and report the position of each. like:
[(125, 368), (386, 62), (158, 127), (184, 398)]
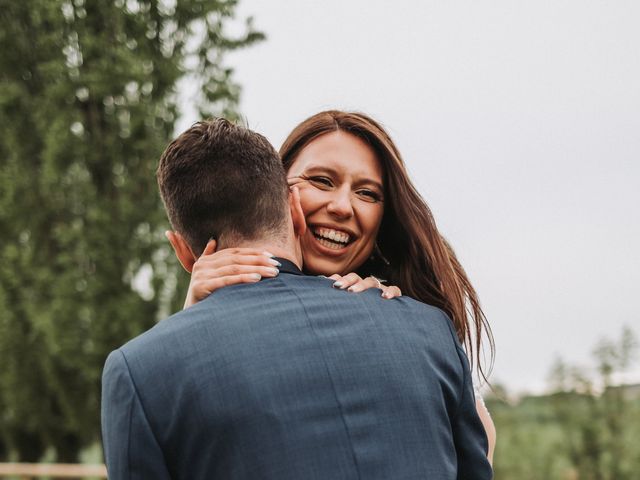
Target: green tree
[(87, 104)]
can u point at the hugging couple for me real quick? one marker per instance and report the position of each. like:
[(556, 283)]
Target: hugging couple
[(293, 360)]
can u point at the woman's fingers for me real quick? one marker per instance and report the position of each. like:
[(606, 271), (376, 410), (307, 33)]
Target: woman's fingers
[(235, 253), (201, 289), (211, 247), (365, 284), (246, 257), (235, 270), (391, 292), (354, 283), (212, 285), (346, 281), (245, 251), (291, 181)]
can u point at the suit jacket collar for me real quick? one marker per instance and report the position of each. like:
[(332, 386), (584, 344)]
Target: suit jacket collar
[(288, 266)]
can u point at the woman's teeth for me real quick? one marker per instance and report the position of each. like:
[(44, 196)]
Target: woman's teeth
[(330, 244), (331, 238)]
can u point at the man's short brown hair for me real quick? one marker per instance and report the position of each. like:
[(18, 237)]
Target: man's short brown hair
[(223, 181)]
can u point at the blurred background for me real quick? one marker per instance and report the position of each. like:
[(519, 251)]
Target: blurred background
[(520, 126)]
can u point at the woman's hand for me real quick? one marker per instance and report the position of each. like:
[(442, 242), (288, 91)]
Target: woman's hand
[(352, 282), (214, 270)]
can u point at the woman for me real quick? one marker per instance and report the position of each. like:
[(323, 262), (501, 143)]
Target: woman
[(365, 221)]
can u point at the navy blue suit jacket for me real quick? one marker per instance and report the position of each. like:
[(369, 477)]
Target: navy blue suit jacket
[(289, 378)]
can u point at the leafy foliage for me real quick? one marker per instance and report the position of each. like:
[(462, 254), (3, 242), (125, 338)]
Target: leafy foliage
[(87, 104)]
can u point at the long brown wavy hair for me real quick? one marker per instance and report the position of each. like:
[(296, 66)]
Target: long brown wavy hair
[(411, 253)]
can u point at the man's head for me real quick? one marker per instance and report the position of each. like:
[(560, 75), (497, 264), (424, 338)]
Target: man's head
[(223, 181)]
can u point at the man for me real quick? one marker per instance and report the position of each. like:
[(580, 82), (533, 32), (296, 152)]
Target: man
[(286, 378)]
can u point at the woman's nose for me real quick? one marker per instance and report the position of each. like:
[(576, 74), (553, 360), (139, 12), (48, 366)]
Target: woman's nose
[(340, 205)]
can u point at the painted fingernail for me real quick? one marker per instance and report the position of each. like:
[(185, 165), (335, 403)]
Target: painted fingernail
[(275, 262), (338, 284), (353, 289), (268, 254), (255, 276), (274, 271), (323, 276)]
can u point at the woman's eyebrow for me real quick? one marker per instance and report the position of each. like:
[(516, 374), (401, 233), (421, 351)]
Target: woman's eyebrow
[(322, 168), (369, 181), (376, 184)]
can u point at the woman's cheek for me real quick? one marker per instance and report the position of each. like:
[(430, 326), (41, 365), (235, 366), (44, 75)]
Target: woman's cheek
[(307, 200), (372, 218)]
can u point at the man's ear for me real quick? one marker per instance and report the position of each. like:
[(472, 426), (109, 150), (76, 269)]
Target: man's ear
[(297, 215), (182, 250)]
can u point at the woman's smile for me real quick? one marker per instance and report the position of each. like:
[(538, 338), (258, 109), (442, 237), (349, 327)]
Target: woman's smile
[(331, 241)]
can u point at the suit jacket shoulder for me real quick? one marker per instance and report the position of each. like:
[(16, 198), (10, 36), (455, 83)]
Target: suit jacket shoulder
[(290, 378)]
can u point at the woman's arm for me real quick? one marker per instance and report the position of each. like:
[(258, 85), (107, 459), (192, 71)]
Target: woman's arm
[(489, 427), (216, 269)]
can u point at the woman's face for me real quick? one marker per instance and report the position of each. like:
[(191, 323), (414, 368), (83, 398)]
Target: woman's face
[(341, 193)]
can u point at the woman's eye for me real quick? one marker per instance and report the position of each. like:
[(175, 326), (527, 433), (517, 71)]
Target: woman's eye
[(321, 181), (370, 195)]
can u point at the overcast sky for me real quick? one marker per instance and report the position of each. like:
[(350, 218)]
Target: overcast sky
[(520, 125)]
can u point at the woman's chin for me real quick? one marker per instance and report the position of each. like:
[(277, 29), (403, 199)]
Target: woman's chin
[(316, 262)]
